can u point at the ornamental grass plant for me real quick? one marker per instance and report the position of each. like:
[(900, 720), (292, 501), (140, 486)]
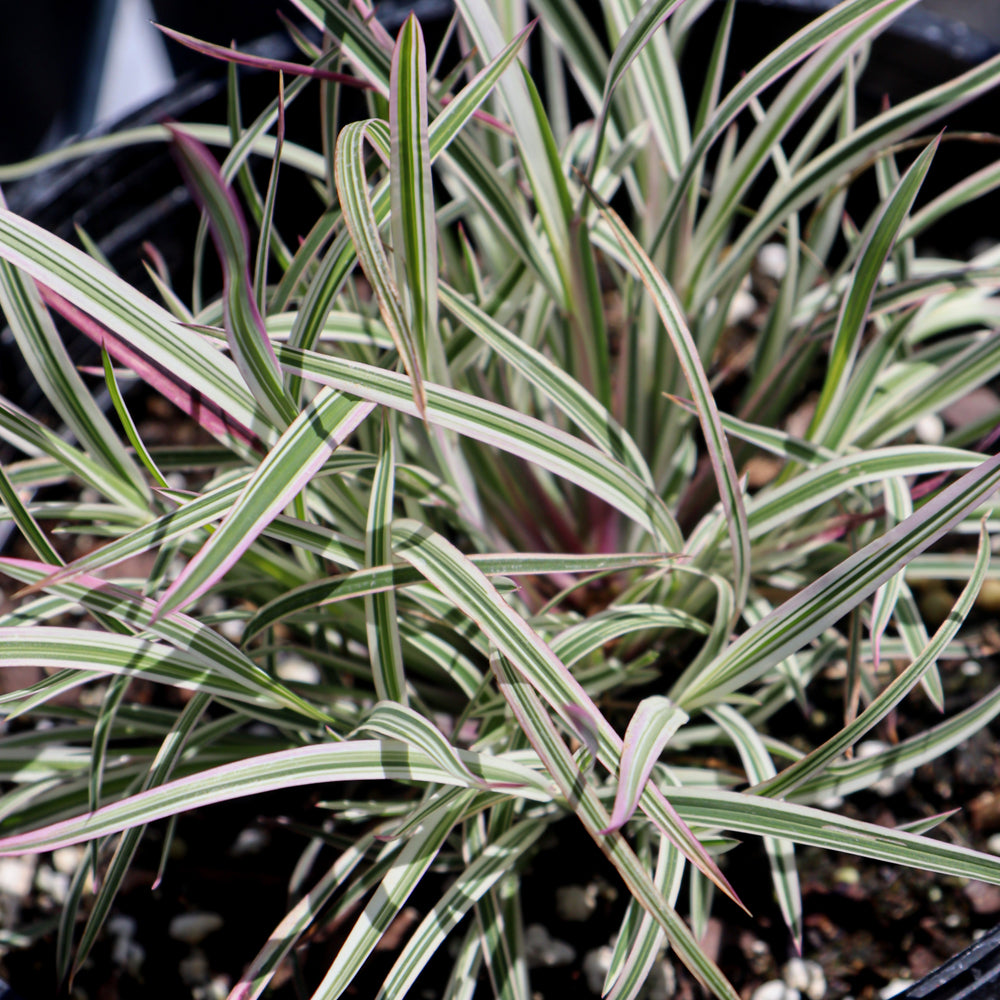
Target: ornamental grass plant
[(504, 510)]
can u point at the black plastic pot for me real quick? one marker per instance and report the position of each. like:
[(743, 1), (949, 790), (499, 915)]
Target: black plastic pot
[(124, 198), (973, 974), (43, 53)]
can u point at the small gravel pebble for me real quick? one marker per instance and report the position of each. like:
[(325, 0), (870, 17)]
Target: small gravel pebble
[(847, 875), (251, 840), (296, 669), (595, 968), (894, 986), (216, 989), (805, 976), (16, 875), (54, 884), (662, 981), (929, 429), (576, 902), (543, 950), (772, 260), (935, 603), (741, 307), (121, 925), (194, 927), (128, 955), (988, 598), (775, 989), (67, 859), (194, 968), (232, 629)]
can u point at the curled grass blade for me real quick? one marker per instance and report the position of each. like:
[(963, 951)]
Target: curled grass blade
[(764, 143), (256, 977), (99, 653), (293, 154), (636, 951), (411, 196), (810, 490), (318, 593), (414, 858), (827, 170), (267, 215), (30, 529), (46, 357), (579, 405), (847, 777), (359, 215), (759, 767), (656, 82), (755, 814), (650, 729), (197, 512), (778, 62), (930, 390), (443, 131), (195, 639), (232, 55), (577, 641), (140, 322), (533, 138), (396, 722), (131, 431), (633, 41), (164, 380), (113, 876)]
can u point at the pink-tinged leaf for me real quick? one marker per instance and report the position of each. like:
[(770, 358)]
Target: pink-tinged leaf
[(245, 332), (298, 455), (301, 69), (262, 62), (350, 760), (157, 261), (204, 411), (652, 726)]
